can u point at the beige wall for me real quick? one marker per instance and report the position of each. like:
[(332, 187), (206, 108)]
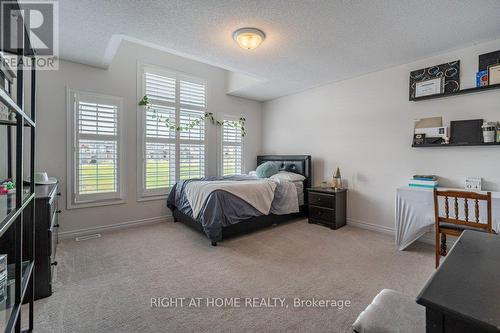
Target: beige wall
[(365, 126), (121, 80)]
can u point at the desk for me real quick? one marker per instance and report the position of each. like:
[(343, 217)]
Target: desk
[(415, 213), (463, 295)]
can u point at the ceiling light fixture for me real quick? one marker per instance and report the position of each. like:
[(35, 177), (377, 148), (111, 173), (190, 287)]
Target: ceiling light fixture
[(249, 38)]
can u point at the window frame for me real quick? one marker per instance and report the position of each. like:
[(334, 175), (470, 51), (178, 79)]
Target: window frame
[(75, 200), (144, 194), (221, 145)]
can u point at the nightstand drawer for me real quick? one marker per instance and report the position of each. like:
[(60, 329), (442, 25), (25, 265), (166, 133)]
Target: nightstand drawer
[(319, 213), (321, 200)]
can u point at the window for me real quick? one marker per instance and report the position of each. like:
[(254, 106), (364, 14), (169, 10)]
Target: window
[(96, 161), (232, 148), (168, 155)]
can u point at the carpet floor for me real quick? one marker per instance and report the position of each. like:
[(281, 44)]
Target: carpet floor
[(106, 284)]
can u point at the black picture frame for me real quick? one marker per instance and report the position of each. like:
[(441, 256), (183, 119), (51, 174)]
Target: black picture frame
[(450, 71), (488, 59), (466, 131)]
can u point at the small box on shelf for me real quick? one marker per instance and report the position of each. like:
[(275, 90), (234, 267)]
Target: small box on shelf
[(481, 79)]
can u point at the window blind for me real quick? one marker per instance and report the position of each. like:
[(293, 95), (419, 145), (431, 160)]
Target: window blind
[(171, 155), (96, 160), (192, 94), (232, 148), (160, 87)]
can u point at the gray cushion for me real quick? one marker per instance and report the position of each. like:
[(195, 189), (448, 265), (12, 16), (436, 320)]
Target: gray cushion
[(391, 311), (267, 169)]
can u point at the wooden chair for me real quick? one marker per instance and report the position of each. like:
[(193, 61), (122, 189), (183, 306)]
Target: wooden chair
[(453, 226)]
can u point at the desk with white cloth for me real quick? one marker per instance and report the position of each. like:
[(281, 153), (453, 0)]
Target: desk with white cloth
[(415, 213)]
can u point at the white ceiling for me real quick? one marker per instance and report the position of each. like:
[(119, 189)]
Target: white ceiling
[(309, 43)]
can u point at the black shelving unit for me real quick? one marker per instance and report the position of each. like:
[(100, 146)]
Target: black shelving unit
[(456, 93), (18, 285), (436, 145)]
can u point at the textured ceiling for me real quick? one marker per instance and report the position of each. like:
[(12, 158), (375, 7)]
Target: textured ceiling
[(309, 43)]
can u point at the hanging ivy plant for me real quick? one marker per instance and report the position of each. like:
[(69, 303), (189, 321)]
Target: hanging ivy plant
[(207, 116)]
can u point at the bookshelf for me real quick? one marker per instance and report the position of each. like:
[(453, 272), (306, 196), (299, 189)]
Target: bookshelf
[(16, 285)]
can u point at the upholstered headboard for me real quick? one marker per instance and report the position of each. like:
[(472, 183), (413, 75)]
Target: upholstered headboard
[(300, 164)]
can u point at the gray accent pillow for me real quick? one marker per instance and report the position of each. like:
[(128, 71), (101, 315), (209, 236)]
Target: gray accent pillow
[(266, 170)]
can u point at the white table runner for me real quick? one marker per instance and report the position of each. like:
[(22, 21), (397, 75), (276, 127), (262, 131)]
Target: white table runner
[(415, 213)]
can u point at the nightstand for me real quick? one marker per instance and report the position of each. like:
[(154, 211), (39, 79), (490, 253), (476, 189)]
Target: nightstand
[(327, 206)]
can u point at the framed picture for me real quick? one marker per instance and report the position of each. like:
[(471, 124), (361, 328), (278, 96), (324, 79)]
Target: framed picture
[(494, 74), (429, 87), (488, 59), (449, 72), (467, 131)]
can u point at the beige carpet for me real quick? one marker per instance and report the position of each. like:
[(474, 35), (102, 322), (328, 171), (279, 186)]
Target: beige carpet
[(106, 284)]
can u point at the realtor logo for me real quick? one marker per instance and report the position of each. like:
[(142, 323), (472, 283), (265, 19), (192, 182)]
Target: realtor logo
[(39, 20)]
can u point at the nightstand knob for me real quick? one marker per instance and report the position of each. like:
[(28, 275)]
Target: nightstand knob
[(58, 194), (58, 211), (54, 263)]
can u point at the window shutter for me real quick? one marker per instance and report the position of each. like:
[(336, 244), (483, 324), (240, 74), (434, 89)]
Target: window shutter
[(156, 126), (99, 119), (171, 155), (96, 164), (192, 141), (232, 148), (160, 88), (192, 94)]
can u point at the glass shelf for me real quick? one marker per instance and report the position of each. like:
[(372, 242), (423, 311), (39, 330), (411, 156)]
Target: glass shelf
[(8, 211), (7, 291)]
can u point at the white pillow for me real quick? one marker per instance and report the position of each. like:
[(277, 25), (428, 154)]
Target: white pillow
[(253, 173), (290, 176)]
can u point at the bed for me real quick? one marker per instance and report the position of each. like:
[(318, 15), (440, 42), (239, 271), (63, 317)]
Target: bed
[(225, 215)]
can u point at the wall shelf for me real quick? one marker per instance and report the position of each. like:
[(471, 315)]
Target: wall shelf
[(492, 144), (460, 92)]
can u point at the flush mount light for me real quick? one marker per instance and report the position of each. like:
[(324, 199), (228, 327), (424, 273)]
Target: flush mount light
[(248, 38)]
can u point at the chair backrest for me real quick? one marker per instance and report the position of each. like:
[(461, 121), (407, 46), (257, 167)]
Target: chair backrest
[(453, 217)]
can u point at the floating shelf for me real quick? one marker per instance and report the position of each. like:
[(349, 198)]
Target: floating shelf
[(460, 92), (494, 144)]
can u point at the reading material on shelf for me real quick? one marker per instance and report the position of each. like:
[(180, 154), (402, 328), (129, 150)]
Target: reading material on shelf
[(426, 181)]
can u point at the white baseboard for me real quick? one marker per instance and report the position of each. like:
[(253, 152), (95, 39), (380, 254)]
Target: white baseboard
[(427, 238), (371, 226), (122, 225)]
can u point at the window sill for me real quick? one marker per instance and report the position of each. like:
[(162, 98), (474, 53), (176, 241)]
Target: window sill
[(95, 204), (152, 198)]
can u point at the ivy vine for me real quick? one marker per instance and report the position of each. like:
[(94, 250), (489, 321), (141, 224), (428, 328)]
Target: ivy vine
[(207, 116)]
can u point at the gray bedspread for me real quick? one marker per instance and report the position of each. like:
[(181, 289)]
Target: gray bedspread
[(223, 208)]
